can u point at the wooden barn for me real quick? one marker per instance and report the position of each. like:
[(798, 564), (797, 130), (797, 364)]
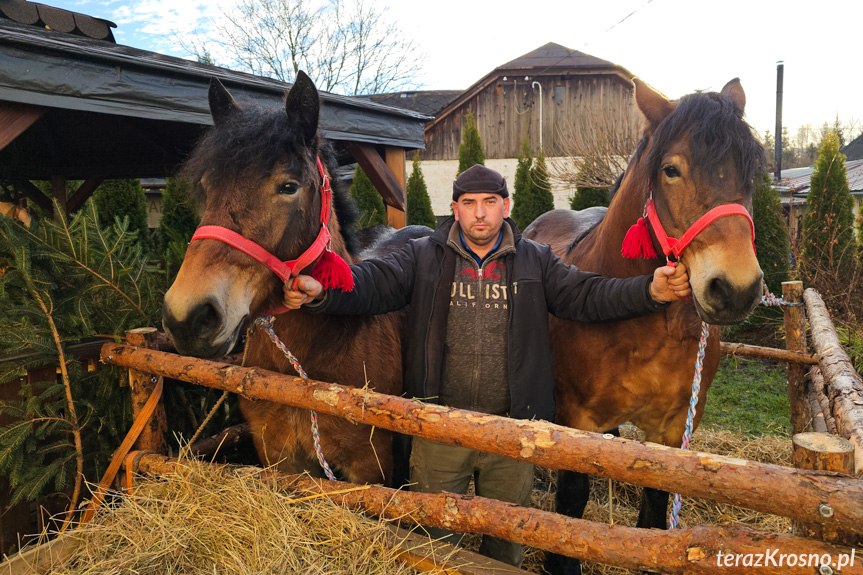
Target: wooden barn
[(539, 96)]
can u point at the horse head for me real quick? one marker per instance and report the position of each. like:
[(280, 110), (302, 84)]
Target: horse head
[(259, 174), (698, 154)]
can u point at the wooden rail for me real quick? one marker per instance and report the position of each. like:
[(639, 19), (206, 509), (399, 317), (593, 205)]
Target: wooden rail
[(801, 495), (692, 550)]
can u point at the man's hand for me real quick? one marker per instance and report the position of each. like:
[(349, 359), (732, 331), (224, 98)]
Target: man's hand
[(308, 289), (670, 283)]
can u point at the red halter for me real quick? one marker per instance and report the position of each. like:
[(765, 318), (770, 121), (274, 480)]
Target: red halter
[(637, 243), (330, 269)]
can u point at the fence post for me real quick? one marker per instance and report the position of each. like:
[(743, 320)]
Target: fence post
[(823, 452), (795, 340), (141, 384)]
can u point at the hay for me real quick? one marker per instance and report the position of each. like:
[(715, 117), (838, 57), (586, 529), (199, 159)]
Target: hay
[(205, 519)]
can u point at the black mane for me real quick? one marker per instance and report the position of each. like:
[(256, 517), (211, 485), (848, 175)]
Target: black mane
[(717, 133), (247, 145)]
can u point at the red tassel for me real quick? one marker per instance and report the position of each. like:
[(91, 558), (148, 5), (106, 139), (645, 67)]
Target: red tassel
[(637, 242), (333, 272)]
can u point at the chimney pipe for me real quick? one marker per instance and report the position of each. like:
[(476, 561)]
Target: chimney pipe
[(777, 174)]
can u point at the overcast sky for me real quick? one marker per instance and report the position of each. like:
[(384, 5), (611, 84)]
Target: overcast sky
[(677, 46)]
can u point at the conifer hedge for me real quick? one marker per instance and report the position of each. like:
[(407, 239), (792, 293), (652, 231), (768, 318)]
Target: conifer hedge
[(419, 209), (369, 201), (470, 150)]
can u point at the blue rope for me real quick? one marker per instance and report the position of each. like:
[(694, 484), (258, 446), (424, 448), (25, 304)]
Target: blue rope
[(674, 519), (267, 323)]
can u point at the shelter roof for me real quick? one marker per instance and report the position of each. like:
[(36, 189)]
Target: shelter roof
[(548, 60), (423, 101), (119, 111)]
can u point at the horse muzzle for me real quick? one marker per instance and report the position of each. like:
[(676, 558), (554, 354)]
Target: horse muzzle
[(722, 302), (201, 330)]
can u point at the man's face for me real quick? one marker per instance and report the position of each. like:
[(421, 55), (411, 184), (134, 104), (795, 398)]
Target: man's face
[(480, 216)]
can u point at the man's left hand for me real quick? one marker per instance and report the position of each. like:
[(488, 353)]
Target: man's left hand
[(670, 283)]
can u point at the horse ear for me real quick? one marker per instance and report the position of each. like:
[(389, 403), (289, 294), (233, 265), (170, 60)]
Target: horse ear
[(653, 105), (734, 90), (303, 106), (222, 104)]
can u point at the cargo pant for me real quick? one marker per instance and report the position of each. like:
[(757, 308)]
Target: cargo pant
[(436, 467)]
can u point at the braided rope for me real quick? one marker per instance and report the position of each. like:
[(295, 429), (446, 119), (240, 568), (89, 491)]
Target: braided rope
[(769, 299), (267, 324), (674, 519)]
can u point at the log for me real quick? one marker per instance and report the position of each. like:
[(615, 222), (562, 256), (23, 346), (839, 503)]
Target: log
[(795, 340), (823, 452), (141, 385), (842, 383), (230, 437), (691, 550), (761, 352), (817, 381), (379, 173), (395, 160), (769, 488), (819, 424)]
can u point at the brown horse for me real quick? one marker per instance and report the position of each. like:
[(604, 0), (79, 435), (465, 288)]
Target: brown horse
[(695, 154), (258, 171)]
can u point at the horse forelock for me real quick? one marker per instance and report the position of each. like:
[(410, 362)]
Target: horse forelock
[(717, 134), (244, 149)]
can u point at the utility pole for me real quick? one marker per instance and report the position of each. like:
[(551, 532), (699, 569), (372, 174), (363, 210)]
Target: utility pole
[(777, 174)]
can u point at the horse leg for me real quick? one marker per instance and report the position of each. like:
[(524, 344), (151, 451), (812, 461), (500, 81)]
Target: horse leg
[(573, 491), (654, 509)]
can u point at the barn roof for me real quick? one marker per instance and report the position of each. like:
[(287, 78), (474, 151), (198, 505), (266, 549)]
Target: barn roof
[(119, 111), (423, 101), (854, 149), (798, 180), (550, 59)]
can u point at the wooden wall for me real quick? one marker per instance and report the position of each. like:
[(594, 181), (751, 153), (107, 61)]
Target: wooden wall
[(508, 111)]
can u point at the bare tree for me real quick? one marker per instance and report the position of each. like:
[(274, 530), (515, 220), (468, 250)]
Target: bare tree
[(345, 46), (595, 148)]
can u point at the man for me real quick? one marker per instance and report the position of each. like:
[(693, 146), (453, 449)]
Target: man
[(478, 337)]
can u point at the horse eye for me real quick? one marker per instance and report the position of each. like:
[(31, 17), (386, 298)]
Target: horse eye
[(671, 171), (289, 188)]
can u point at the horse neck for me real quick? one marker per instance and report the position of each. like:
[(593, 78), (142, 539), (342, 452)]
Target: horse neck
[(600, 251)]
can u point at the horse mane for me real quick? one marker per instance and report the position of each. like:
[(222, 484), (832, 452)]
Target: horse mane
[(717, 132), (245, 147)]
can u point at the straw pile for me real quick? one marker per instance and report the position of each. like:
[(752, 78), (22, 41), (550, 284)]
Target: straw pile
[(205, 519)]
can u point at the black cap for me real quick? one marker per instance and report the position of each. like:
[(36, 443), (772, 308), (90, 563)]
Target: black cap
[(478, 180)]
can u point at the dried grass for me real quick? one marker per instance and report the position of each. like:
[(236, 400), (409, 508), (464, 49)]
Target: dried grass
[(205, 519)]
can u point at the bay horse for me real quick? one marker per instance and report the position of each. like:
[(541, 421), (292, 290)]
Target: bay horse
[(695, 154), (258, 170)]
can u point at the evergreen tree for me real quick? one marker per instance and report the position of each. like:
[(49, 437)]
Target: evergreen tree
[(771, 237), (178, 224), (470, 150), (419, 204), (827, 230), (587, 198), (117, 200), (369, 201), (521, 195), (66, 280), (542, 200)]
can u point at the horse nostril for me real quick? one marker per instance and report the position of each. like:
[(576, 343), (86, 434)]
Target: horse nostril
[(205, 318), (201, 321), (720, 290)]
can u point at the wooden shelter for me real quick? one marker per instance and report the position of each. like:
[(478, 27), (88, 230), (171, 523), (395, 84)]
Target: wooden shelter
[(74, 105)]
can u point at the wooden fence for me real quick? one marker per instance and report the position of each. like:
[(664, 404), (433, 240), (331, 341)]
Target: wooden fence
[(822, 496)]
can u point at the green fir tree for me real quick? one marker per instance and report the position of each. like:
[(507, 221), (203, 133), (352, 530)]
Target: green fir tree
[(542, 200), (65, 281), (588, 198), (419, 204), (117, 200), (828, 254), (369, 201), (771, 238), (521, 195), (177, 225), (470, 150)]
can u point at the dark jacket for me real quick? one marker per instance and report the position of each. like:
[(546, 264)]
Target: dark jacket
[(420, 275)]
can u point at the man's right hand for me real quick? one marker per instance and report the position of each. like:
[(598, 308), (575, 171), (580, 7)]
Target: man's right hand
[(308, 289)]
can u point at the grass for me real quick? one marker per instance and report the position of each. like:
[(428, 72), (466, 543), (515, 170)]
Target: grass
[(749, 397)]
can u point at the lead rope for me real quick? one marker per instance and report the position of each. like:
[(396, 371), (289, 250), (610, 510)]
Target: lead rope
[(266, 322), (674, 518)]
